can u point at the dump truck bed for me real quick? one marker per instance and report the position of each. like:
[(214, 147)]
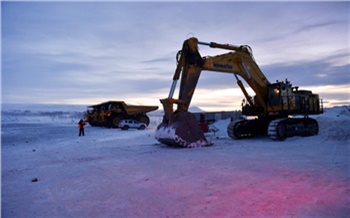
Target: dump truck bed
[(133, 109), (130, 109)]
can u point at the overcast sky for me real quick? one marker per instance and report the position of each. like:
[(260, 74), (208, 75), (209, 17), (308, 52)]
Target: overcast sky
[(89, 52)]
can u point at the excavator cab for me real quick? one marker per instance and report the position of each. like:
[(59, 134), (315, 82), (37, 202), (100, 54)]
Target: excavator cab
[(284, 99)]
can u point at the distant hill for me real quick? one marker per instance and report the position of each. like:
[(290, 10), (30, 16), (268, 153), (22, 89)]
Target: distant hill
[(195, 109)]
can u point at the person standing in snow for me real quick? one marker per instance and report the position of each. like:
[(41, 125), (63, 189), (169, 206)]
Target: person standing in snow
[(81, 127)]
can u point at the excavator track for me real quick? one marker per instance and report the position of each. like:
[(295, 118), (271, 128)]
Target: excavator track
[(278, 129), (236, 129), (243, 128), (283, 128)]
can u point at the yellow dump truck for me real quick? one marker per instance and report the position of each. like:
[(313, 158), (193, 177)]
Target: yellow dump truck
[(110, 113)]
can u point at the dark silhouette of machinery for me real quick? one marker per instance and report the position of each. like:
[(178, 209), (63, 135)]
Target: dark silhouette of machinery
[(272, 106)]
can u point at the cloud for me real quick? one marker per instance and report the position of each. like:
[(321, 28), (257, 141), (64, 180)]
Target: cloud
[(309, 73), (73, 51)]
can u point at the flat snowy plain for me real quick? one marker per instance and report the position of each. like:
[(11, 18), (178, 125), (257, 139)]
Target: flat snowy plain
[(48, 171)]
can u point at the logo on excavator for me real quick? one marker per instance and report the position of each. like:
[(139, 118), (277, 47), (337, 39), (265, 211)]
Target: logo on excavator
[(226, 66)]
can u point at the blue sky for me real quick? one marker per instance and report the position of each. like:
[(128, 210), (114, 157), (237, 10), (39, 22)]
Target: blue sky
[(89, 52)]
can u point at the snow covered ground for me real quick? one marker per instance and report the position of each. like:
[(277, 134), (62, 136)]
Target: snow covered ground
[(48, 171)]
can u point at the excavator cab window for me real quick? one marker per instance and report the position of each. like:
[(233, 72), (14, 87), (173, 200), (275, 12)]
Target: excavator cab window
[(288, 101), (112, 106), (274, 94), (286, 90)]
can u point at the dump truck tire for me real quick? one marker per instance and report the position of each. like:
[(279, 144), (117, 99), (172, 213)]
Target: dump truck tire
[(143, 119), (115, 120)]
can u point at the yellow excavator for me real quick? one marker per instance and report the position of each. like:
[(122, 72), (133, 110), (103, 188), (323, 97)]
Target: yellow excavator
[(273, 107)]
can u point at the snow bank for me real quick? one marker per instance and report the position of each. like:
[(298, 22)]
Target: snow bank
[(334, 124)]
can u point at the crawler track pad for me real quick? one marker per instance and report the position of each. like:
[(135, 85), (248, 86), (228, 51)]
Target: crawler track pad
[(181, 131)]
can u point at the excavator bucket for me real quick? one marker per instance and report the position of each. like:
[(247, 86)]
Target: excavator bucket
[(182, 130)]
